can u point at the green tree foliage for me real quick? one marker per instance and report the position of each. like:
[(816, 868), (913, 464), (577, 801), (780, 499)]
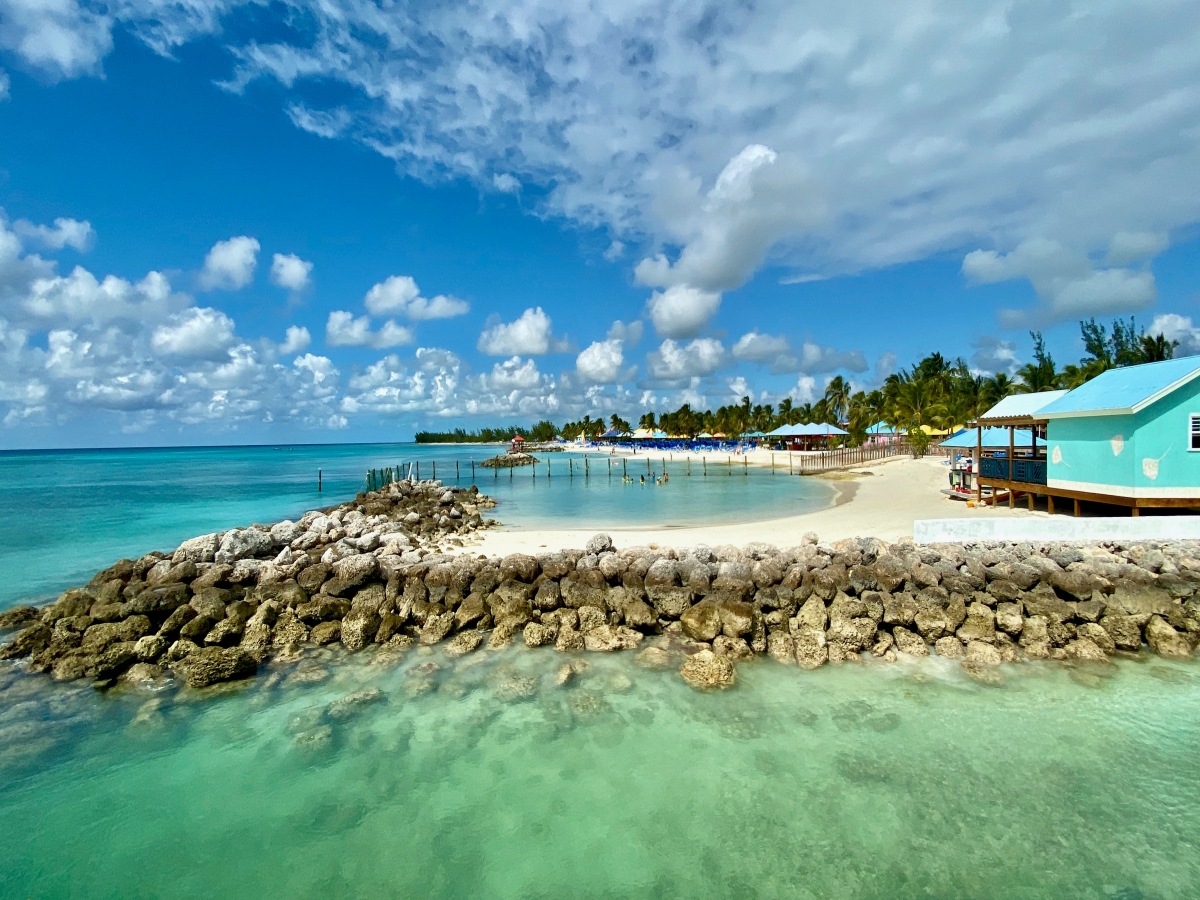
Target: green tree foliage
[(936, 393)]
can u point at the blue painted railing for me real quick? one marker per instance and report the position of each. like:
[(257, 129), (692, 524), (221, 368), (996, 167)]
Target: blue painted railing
[(1025, 471)]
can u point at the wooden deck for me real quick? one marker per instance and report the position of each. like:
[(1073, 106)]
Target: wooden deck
[(1031, 491)]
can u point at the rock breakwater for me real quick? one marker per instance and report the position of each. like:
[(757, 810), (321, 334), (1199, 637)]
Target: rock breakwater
[(368, 575), (510, 461)]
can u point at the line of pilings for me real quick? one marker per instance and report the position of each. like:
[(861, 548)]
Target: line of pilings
[(798, 463)]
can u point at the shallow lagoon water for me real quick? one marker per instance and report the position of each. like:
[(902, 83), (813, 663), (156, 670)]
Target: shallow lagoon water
[(66, 514), (854, 781)]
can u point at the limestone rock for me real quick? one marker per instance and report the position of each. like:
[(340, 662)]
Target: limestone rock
[(653, 658), (256, 640), (463, 643), (1009, 618), (198, 549), (590, 618), (983, 654), (352, 704), (781, 647), (609, 638), (599, 544), (539, 635), (812, 651), (1084, 648), (1097, 635), (812, 615), (734, 648), (907, 642), (438, 627), (150, 647), (241, 543), (568, 640), (1165, 640), (359, 627), (702, 622), (1124, 631), (737, 617), (326, 632), (707, 671), (210, 665), (950, 647)]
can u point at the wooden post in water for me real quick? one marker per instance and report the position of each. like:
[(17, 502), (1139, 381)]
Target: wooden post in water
[(704, 463), (435, 470), (472, 470), (746, 466), (729, 465), (319, 481), (571, 468), (456, 473), (625, 467), (689, 469), (418, 470)]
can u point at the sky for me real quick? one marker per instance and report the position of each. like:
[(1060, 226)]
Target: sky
[(228, 222)]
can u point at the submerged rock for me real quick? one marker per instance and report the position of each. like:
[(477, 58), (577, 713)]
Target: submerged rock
[(707, 671)]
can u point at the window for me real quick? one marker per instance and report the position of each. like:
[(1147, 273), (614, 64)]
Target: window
[(1194, 432)]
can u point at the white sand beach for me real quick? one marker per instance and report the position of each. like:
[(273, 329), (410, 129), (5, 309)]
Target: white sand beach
[(881, 500)]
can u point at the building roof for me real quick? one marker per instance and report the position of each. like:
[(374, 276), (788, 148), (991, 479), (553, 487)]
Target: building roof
[(882, 428), (1020, 408), (1124, 391), (808, 429), (993, 438)]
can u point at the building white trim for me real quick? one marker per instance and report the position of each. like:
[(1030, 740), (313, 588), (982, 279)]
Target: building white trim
[(1120, 490)]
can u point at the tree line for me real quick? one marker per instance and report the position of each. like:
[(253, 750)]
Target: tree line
[(936, 392)]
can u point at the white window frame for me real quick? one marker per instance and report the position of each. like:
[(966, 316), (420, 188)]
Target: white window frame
[(1193, 432)]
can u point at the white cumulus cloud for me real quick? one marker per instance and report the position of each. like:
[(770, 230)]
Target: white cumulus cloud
[(63, 233), (681, 311), (295, 339), (290, 272), (229, 265), (342, 329), (399, 295), (200, 333), (602, 362), (530, 335), (673, 361)]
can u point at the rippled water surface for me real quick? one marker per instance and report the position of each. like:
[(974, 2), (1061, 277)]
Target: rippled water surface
[(484, 778), (64, 515)]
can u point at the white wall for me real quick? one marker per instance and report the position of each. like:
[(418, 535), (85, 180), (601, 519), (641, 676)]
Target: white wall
[(1057, 528)]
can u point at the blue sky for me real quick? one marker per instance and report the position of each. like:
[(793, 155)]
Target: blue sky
[(349, 227)]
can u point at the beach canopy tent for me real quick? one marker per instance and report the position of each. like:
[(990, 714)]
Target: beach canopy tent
[(881, 428), (808, 429), (993, 439), (704, 436)]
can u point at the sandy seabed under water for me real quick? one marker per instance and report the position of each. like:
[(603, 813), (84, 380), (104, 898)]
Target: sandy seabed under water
[(482, 777)]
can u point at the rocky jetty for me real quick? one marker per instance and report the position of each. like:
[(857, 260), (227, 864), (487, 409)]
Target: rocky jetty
[(510, 461), (222, 605)]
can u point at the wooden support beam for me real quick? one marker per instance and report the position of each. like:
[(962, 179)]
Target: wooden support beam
[(1077, 509), (1050, 504), (1030, 496)]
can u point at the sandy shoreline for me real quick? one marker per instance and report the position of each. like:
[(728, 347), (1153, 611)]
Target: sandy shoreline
[(881, 500)]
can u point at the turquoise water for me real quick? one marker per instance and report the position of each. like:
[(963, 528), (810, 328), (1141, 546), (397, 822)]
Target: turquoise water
[(66, 514), (859, 781)]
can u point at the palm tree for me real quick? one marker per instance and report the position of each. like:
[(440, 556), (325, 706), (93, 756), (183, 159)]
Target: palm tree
[(1039, 375), (837, 397), (1156, 348)]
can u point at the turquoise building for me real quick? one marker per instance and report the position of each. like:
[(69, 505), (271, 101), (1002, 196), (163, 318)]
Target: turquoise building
[(1130, 436)]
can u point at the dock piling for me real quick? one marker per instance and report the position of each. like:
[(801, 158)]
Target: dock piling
[(318, 481)]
